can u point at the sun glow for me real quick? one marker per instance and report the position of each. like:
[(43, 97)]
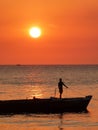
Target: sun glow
[(35, 32)]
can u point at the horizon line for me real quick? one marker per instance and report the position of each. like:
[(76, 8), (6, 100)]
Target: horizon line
[(48, 64)]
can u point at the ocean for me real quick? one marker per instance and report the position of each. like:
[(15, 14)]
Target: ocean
[(27, 81)]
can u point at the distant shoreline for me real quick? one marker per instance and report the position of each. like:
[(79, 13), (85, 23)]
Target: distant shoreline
[(48, 64)]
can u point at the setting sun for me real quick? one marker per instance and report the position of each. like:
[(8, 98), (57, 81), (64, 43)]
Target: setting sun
[(35, 32)]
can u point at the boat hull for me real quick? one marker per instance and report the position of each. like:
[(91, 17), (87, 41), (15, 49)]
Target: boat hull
[(52, 105)]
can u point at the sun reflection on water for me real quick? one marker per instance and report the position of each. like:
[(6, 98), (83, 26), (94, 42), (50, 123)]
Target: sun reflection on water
[(36, 92)]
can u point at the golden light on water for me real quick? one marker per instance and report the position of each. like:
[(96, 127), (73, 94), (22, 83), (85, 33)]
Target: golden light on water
[(36, 92)]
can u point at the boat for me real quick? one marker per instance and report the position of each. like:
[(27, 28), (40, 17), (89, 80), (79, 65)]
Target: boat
[(47, 105)]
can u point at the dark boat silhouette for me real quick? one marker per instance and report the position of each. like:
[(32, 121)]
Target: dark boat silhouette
[(51, 105)]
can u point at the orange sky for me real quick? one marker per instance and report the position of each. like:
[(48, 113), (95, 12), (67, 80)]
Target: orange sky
[(69, 31)]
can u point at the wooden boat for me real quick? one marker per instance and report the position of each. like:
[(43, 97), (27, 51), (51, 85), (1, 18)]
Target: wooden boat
[(51, 105)]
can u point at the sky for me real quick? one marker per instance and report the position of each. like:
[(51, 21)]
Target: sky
[(69, 32)]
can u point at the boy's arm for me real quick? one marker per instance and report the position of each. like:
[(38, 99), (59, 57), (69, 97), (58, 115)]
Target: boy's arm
[(66, 86)]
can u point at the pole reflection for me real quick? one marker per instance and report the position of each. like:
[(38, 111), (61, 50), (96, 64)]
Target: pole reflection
[(60, 126)]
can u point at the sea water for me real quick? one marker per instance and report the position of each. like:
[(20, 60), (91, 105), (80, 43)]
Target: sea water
[(27, 81)]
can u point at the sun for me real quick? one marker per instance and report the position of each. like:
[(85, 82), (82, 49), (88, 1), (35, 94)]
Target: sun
[(35, 32)]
